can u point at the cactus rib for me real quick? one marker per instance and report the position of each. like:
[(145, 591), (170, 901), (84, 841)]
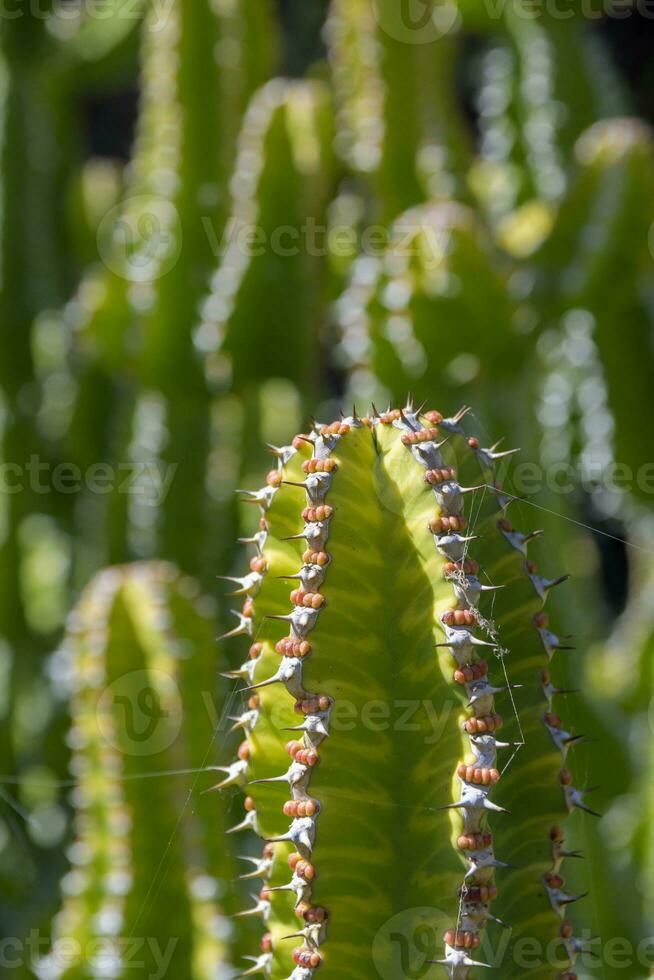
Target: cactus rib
[(140, 642)]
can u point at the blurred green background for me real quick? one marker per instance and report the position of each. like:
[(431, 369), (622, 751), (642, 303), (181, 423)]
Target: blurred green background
[(219, 217)]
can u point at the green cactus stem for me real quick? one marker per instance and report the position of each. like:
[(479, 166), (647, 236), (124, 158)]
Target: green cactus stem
[(399, 650), (147, 866), (260, 293), (399, 128), (133, 339)]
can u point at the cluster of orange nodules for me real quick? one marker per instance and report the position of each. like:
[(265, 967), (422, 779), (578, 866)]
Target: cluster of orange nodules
[(335, 429), (386, 418), (274, 478), (531, 567), (462, 940), (553, 880), (312, 600), (541, 620), (301, 867), (319, 465), (314, 705), (298, 753), (473, 442), (266, 942), (290, 647), (478, 893), (249, 804), (253, 702), (321, 513), (552, 720), (248, 608), (467, 567), (471, 672), (258, 564), (477, 775), (443, 525), (565, 777), (440, 476), (422, 435), (255, 651), (459, 617), (434, 417), (311, 913), (307, 957), (475, 842), (301, 808), (315, 557), (244, 751), (480, 726)]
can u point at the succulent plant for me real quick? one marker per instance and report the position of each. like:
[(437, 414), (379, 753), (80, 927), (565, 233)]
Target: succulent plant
[(373, 765), (501, 153), (148, 867)]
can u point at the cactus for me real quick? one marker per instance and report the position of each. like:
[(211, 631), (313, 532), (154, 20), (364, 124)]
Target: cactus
[(618, 682), (261, 295), (398, 122), (606, 225), (415, 300), (515, 240), (39, 71), (133, 342), (402, 817), (147, 860)]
